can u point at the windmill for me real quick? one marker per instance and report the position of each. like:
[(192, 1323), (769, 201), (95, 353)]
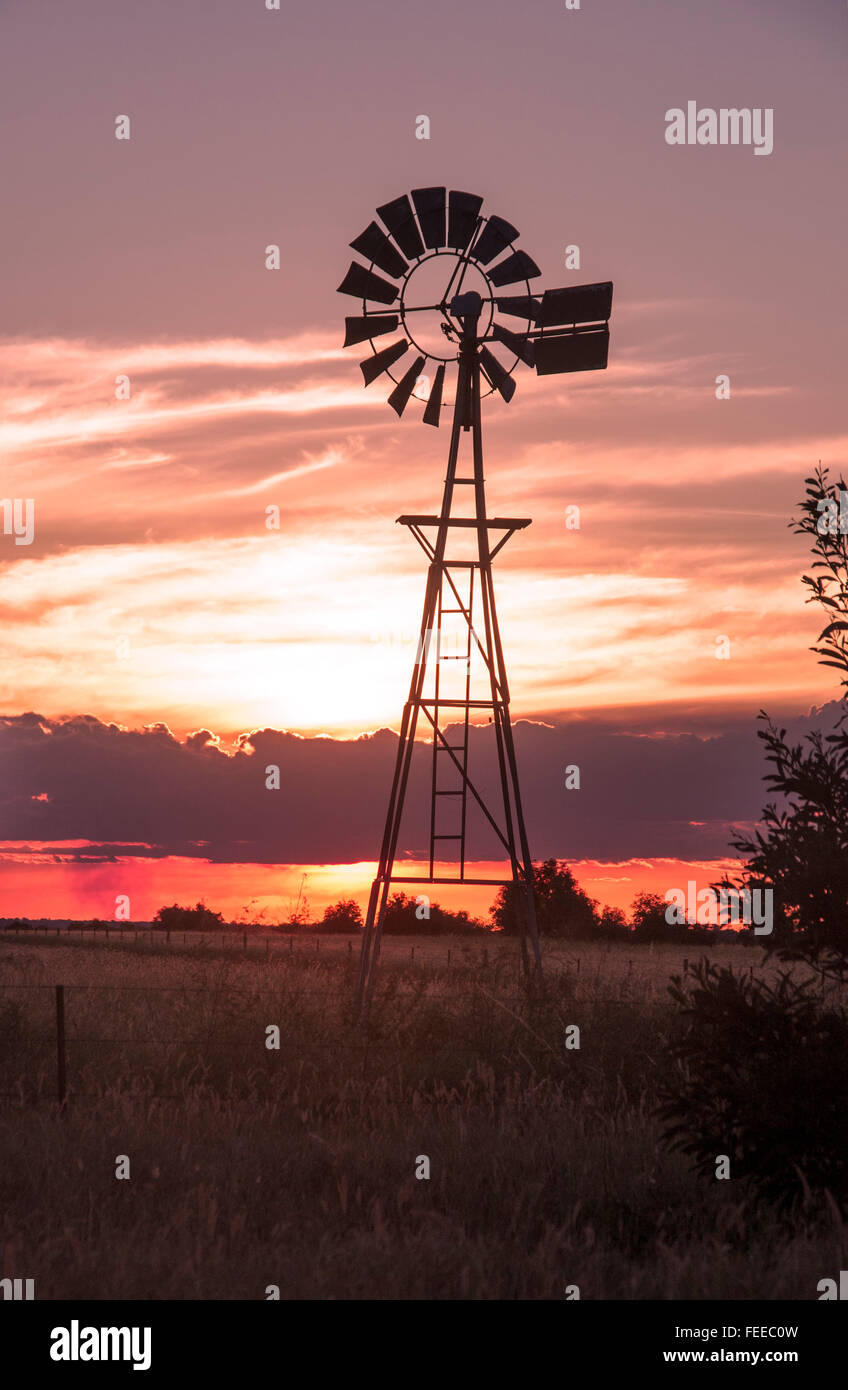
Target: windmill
[(440, 278)]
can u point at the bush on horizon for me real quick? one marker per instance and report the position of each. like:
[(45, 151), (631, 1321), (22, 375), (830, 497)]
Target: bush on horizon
[(197, 918)]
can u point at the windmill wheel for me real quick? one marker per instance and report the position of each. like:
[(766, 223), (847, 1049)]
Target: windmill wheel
[(432, 246)]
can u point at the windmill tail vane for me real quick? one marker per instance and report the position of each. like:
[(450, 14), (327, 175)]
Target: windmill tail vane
[(440, 275)]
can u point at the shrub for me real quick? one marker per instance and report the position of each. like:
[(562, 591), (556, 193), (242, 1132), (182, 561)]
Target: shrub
[(197, 918), (343, 916), (760, 1074), (404, 916)]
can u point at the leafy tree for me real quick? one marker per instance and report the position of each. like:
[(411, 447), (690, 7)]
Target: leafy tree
[(649, 923), (562, 908), (648, 919), (800, 850), (343, 916), (197, 918), (613, 924)]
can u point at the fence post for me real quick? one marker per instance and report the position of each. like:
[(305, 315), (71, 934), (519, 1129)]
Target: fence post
[(412, 953), (60, 1045), (244, 939), (168, 937)]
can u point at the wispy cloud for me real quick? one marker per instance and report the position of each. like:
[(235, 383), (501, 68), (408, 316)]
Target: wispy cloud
[(155, 584)]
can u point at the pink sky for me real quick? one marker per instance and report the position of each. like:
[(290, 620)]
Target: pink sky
[(154, 591), (268, 893)]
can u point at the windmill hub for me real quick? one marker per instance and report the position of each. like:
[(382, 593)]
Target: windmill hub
[(465, 306)]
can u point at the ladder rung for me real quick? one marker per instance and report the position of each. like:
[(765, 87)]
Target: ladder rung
[(453, 610), (458, 704), (438, 793), (465, 480), (463, 656)]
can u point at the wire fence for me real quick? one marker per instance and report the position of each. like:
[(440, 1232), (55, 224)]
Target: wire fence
[(256, 946), (307, 991), (55, 1028), (235, 939), (250, 943), (56, 1034)]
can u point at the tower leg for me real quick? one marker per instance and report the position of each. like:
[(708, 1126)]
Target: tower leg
[(527, 863), (365, 951), (522, 870), (373, 931)]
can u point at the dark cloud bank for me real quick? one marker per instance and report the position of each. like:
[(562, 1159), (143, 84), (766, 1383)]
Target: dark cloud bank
[(642, 794)]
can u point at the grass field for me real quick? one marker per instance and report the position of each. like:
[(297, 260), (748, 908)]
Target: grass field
[(295, 1167)]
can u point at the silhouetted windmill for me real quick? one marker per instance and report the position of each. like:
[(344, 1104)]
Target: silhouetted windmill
[(448, 266)]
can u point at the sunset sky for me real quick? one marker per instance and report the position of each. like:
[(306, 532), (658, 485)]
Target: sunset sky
[(153, 597)]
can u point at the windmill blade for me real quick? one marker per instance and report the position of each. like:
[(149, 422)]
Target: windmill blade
[(518, 266), (463, 209), (406, 386), (358, 330), (520, 346), (497, 375), (400, 220), (577, 304), (495, 237), (521, 306), (430, 206), (364, 284), (374, 366), (585, 351), (375, 246), (434, 404)]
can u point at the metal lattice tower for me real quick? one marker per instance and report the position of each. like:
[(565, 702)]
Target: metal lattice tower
[(565, 330)]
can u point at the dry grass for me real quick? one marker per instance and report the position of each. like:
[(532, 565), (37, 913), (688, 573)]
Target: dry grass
[(295, 1167)]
